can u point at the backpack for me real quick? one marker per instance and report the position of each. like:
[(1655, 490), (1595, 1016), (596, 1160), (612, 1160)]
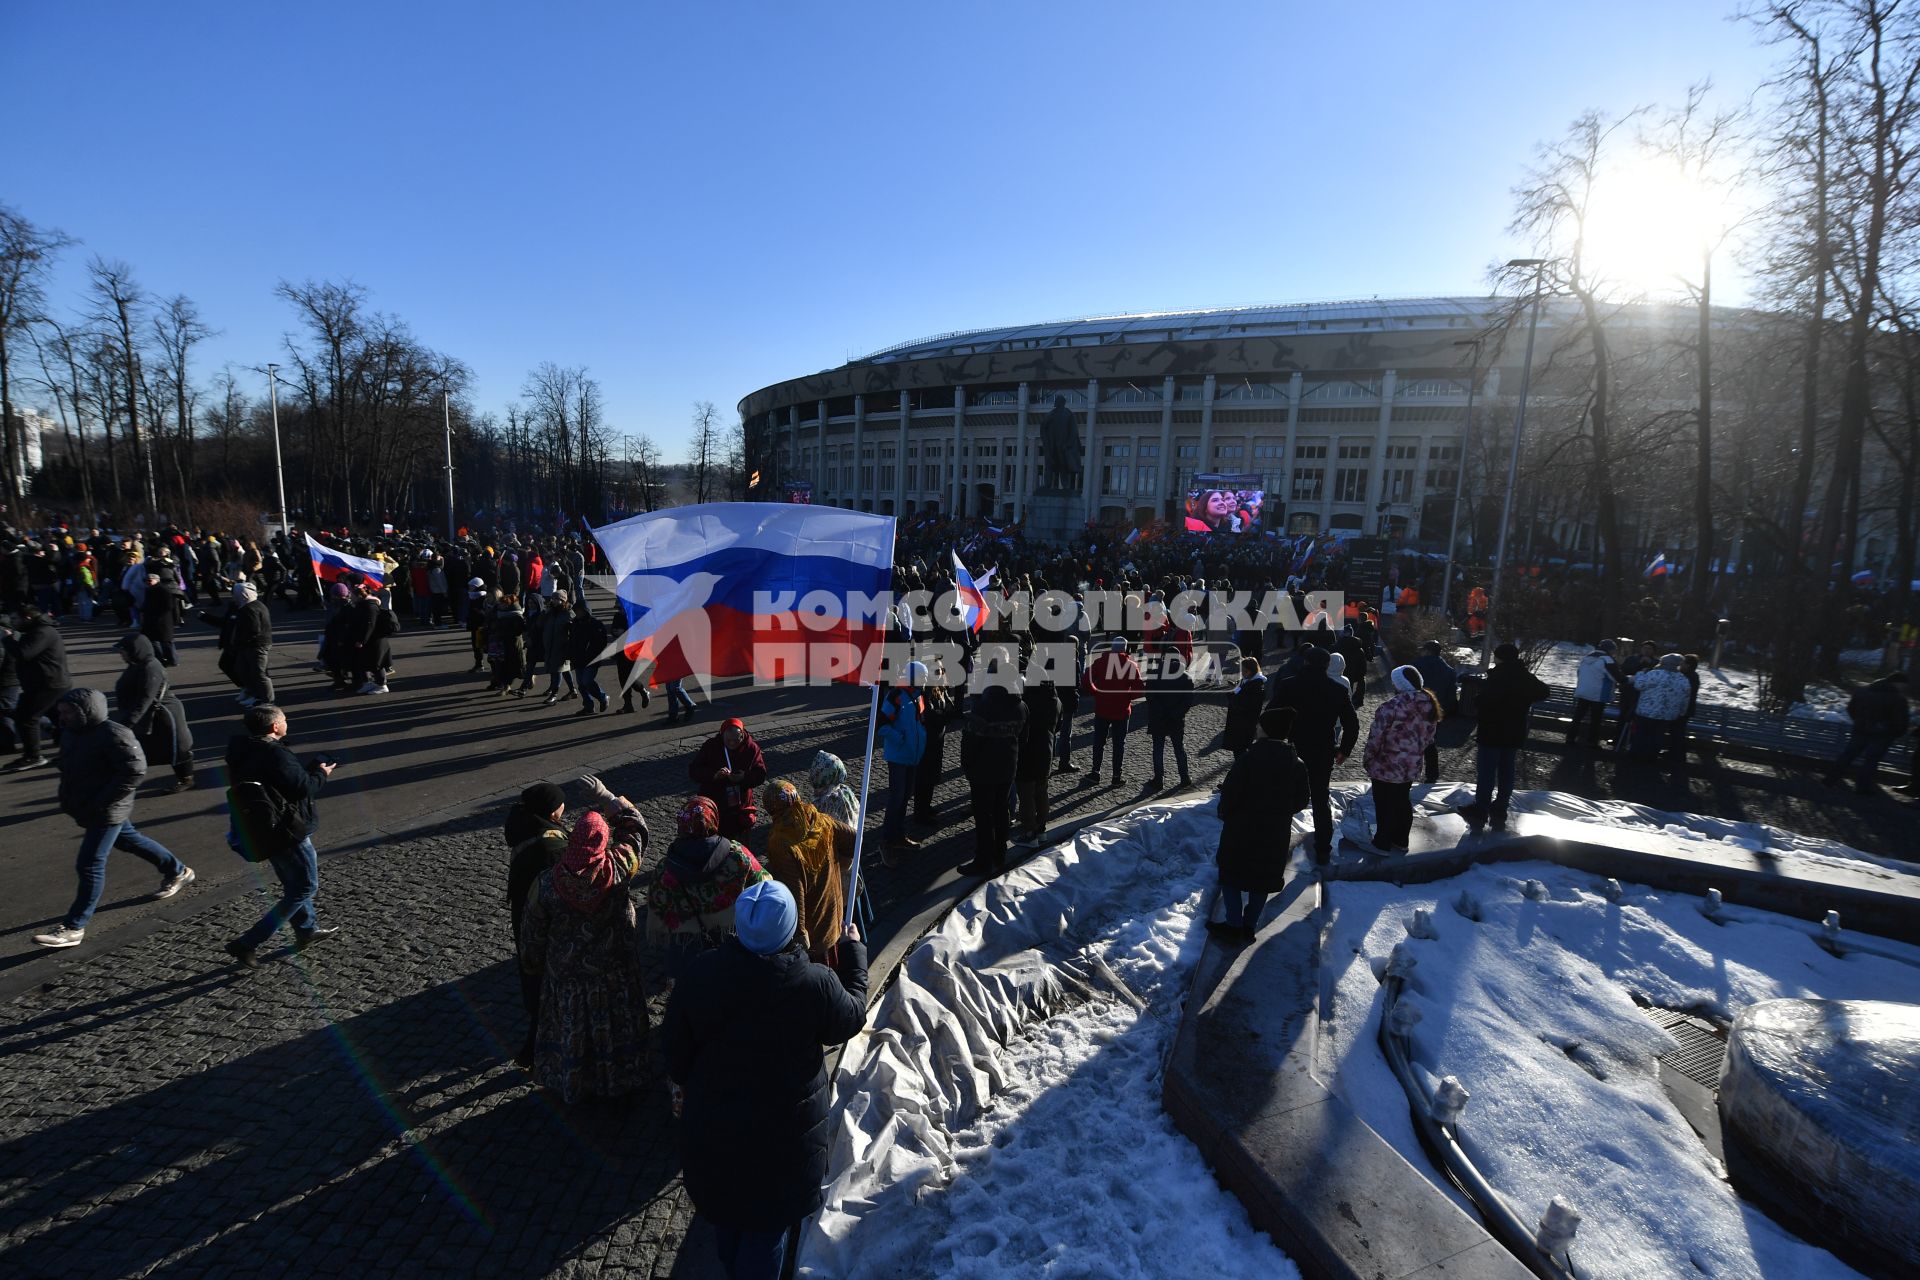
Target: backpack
[(263, 823), (386, 623)]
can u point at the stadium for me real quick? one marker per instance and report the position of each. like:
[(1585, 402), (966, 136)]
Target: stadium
[(1345, 415)]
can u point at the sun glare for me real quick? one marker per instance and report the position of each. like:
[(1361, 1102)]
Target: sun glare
[(1646, 227)]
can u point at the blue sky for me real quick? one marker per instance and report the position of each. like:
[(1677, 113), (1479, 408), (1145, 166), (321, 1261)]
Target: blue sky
[(696, 200)]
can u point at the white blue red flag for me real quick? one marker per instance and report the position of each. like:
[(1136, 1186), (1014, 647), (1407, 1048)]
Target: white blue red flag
[(970, 596), (331, 566), (1659, 568), (772, 589)]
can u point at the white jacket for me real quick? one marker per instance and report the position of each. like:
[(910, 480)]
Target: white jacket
[(1663, 694), (1595, 682)]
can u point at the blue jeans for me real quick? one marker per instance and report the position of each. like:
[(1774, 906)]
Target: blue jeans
[(590, 690), (1494, 787), (1243, 906), (899, 796), (751, 1255), (299, 872), (95, 844), (677, 700)]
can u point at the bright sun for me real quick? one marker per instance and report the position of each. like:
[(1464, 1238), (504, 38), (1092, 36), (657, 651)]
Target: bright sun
[(1647, 225)]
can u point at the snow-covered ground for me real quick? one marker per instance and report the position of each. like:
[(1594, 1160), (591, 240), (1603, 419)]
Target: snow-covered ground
[(1734, 687), (1527, 1002), (1002, 1115)]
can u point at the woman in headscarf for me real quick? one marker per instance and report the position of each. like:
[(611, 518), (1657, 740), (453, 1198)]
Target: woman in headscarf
[(802, 854), (580, 936), (726, 769), (145, 703), (831, 794), (1396, 757), (690, 905)]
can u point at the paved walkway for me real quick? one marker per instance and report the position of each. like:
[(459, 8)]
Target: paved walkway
[(354, 1111)]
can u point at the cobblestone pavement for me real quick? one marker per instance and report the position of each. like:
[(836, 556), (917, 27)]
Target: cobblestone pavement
[(354, 1111)]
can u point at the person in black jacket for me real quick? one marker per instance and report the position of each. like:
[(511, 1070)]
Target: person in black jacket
[(939, 708), (744, 1032), (40, 662), (160, 611), (101, 765), (1169, 695), (1506, 704), (1249, 698), (246, 643), (260, 755), (1323, 732), (536, 839), (1879, 715), (145, 703), (1359, 652), (1263, 791), (989, 756), (1034, 768), (586, 640)]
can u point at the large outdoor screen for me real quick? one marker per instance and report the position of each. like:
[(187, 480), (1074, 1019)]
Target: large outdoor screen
[(1225, 504)]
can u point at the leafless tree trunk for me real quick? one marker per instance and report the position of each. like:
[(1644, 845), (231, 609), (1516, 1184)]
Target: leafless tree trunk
[(26, 256)]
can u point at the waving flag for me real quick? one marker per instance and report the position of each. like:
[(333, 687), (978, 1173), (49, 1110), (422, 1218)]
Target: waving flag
[(772, 589), (331, 566), (972, 595), (1659, 568)]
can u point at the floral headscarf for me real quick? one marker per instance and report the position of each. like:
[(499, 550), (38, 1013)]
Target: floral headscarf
[(778, 796), (699, 817), (585, 873), (828, 771)]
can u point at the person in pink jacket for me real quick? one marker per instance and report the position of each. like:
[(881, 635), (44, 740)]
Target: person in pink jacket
[(1396, 757)]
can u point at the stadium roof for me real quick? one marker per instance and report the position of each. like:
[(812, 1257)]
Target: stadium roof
[(1218, 322)]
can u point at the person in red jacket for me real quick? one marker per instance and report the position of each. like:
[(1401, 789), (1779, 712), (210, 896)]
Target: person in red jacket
[(727, 769), (1113, 681)]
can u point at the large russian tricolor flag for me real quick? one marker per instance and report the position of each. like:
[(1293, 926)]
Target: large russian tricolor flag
[(772, 589), (331, 566)]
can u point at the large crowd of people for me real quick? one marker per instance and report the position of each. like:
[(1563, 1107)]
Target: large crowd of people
[(747, 904)]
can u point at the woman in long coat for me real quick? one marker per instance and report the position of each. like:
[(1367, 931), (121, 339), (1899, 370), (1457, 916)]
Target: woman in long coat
[(802, 854), (581, 935), (1263, 791), (1396, 757)]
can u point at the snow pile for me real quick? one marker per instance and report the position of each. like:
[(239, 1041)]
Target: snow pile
[(1001, 1115), (1527, 1001)]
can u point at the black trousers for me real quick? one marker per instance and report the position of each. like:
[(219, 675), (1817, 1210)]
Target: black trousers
[(926, 775), (1392, 813), (1319, 779), (1594, 714), (1032, 792), (992, 818), (33, 704)]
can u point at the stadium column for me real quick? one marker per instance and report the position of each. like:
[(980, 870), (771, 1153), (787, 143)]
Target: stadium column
[(1091, 465), (1020, 460), (900, 460), (1285, 485), (819, 449), (1377, 473), (859, 443), (1205, 461), (793, 438), (959, 418), (1416, 500), (1163, 474)]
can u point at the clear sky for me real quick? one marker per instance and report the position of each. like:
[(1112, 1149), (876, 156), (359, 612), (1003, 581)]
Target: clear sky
[(696, 200)]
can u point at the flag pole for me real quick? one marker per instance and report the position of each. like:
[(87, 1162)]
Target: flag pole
[(866, 781)]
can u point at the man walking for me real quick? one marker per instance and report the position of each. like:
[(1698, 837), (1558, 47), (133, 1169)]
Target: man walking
[(1506, 704), (1879, 714), (1114, 682), (261, 755), (40, 663), (1323, 732), (101, 765)]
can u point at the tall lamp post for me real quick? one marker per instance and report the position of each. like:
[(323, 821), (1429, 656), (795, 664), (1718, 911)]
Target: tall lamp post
[(1460, 477), (279, 472), (446, 412), (1513, 461)]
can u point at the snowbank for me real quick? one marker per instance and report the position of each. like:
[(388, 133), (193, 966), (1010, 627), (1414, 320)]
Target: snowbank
[(1527, 1001), (1001, 1115)]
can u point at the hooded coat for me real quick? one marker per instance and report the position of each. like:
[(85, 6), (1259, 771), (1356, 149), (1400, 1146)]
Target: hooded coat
[(146, 703), (40, 658), (801, 854), (536, 843), (1258, 799), (1398, 739), (101, 764), (744, 1036)]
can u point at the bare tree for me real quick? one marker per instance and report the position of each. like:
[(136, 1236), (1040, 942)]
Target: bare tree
[(119, 303), (177, 329), (645, 464), (26, 255), (706, 466)]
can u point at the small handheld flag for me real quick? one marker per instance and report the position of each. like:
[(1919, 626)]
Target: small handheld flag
[(973, 601)]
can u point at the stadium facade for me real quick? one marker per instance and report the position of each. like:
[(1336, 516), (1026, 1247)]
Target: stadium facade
[(1351, 413)]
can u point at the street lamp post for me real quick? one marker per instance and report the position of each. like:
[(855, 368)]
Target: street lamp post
[(1460, 477), (279, 472), (1513, 462), (446, 411)]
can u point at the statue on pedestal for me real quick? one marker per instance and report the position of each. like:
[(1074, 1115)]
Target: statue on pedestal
[(1060, 446)]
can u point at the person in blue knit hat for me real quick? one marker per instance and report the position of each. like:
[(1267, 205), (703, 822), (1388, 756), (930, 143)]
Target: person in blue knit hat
[(745, 1032)]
